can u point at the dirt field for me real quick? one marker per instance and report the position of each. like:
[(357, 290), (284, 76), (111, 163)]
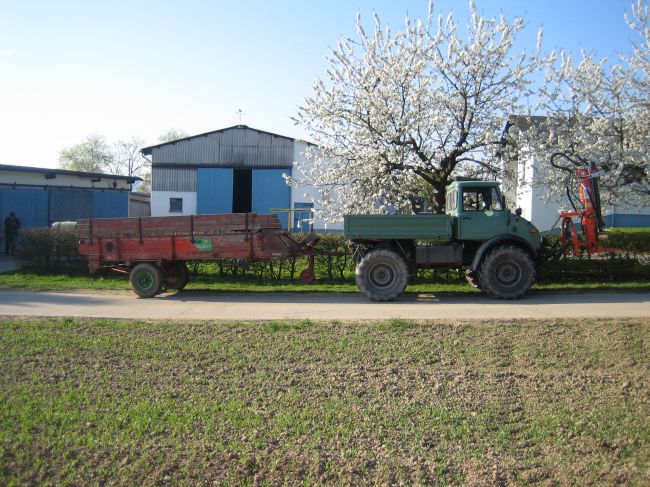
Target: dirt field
[(395, 402)]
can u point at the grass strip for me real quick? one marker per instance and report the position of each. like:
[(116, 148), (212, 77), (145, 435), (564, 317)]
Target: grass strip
[(37, 282)]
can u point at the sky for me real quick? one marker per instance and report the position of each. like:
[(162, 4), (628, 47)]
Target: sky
[(139, 68)]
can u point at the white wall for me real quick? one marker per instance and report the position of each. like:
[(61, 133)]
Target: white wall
[(160, 203), (39, 179), (298, 193), (533, 199)]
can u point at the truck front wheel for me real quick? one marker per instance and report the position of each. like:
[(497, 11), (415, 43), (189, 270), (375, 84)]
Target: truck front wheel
[(146, 280), (507, 272), (382, 275)]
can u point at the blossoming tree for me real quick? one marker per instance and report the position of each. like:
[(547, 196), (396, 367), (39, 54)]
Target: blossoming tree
[(597, 110), (403, 112)]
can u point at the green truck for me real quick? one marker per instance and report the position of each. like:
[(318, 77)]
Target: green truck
[(498, 250)]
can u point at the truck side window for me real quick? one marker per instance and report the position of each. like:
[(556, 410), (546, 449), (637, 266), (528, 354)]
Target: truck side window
[(481, 199), (471, 200), (495, 199)]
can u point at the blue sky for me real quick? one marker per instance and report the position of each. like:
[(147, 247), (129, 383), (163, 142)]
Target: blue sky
[(138, 68)]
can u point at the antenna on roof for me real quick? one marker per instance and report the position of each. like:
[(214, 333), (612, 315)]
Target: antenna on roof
[(240, 112)]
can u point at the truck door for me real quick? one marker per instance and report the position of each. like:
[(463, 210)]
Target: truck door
[(481, 215)]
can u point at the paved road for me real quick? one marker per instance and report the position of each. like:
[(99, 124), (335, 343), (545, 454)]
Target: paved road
[(190, 305)]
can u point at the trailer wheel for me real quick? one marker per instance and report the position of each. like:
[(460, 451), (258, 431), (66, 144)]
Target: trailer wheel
[(146, 280), (175, 275), (507, 272), (382, 275)]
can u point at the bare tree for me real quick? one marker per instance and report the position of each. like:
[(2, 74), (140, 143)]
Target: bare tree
[(127, 159), (424, 103)]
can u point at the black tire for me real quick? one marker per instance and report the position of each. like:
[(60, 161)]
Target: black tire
[(507, 272), (146, 280), (382, 275), (472, 279), (176, 275)]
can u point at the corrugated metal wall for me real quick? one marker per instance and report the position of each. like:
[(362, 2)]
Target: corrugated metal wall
[(270, 191), (235, 147), (31, 206), (37, 207), (204, 164), (109, 204), (67, 205), (214, 193), (173, 178)]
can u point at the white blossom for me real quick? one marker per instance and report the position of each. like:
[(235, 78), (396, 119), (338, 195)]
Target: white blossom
[(597, 110)]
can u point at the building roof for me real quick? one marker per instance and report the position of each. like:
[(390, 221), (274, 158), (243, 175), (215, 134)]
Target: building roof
[(147, 150), (65, 172)]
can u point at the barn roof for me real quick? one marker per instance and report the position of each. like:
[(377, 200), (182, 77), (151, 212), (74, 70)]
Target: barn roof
[(66, 172), (147, 150)]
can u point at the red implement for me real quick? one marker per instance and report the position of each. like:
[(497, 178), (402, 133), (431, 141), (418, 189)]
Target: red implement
[(588, 217)]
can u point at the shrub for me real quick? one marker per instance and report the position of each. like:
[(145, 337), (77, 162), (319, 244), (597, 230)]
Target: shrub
[(43, 250), (632, 242)]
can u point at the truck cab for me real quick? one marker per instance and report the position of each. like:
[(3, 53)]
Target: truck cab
[(479, 214)]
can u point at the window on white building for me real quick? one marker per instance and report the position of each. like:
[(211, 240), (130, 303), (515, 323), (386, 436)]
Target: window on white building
[(176, 205)]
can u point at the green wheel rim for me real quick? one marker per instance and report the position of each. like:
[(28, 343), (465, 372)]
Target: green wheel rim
[(144, 280)]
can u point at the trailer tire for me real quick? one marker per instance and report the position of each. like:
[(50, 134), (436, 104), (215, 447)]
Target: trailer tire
[(176, 275), (146, 280), (382, 275), (507, 272)]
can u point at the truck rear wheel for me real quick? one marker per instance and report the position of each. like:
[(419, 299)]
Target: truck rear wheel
[(507, 272), (176, 275), (146, 280), (382, 275)]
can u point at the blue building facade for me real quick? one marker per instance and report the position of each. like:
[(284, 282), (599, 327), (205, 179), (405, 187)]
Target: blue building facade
[(40, 197)]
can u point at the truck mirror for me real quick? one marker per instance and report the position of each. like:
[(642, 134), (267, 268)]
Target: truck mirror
[(503, 202), (518, 212)]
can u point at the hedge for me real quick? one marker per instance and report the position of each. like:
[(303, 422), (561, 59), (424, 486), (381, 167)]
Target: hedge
[(51, 251)]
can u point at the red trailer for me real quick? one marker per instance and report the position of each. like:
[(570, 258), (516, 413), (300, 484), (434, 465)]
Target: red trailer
[(154, 250)]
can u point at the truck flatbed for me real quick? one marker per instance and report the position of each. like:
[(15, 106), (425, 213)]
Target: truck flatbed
[(418, 227)]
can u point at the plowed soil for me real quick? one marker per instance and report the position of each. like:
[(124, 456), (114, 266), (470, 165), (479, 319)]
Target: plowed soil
[(268, 403)]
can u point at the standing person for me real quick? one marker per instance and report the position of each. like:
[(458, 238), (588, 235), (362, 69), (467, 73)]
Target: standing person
[(12, 226)]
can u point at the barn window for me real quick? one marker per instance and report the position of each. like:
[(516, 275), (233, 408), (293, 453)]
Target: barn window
[(176, 205)]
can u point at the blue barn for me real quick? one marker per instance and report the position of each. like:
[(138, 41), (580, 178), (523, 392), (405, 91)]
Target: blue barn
[(233, 170), (41, 196)]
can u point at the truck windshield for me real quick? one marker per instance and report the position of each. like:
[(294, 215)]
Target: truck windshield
[(481, 199)]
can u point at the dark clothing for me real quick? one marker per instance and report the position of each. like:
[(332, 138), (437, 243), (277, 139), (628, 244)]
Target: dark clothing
[(12, 227)]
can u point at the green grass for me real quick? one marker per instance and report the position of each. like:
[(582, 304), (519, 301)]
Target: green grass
[(32, 281), (270, 403), (628, 230)]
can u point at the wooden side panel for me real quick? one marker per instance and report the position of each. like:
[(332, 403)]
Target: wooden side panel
[(113, 241)]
